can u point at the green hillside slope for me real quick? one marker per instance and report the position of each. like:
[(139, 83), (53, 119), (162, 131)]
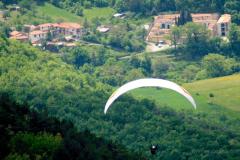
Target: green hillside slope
[(56, 13), (225, 90)]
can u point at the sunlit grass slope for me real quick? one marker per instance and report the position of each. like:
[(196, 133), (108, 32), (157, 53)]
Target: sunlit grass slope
[(94, 12), (226, 92), (56, 13)]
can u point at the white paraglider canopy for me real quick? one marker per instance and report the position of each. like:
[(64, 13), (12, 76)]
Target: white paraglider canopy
[(148, 82)]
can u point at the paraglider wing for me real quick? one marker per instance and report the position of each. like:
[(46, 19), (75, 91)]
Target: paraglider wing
[(148, 82)]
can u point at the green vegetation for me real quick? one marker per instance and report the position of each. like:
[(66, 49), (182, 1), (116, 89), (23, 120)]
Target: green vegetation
[(60, 98), (46, 83), (30, 135), (57, 14), (152, 7), (94, 12), (224, 89)]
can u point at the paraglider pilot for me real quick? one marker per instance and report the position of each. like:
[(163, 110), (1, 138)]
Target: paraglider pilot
[(153, 149)]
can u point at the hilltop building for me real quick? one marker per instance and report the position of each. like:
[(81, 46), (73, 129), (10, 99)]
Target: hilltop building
[(218, 25)]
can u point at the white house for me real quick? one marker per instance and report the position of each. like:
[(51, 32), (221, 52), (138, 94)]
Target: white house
[(36, 36), (223, 25)]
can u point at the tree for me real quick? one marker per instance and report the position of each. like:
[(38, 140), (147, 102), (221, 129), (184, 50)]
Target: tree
[(196, 43), (160, 67), (120, 5), (133, 75), (76, 56), (85, 23), (146, 64), (4, 29), (233, 7), (217, 65), (234, 38), (175, 36), (79, 11), (87, 4), (1, 5), (27, 4), (185, 16), (189, 73), (183, 5)]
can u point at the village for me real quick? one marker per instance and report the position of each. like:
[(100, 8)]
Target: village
[(54, 33), (217, 24), (120, 79), (68, 33)]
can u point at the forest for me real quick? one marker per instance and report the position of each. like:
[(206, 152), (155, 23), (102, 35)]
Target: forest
[(45, 82), (27, 134), (147, 7), (51, 103)]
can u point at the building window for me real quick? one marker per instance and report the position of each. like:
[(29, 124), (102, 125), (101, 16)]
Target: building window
[(168, 26), (222, 25), (163, 26), (223, 34)]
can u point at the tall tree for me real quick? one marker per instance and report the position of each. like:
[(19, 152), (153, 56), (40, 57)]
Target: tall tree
[(234, 38), (185, 16), (196, 42)]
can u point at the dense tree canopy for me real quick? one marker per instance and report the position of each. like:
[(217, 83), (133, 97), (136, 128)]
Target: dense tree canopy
[(148, 7), (74, 85), (46, 83), (29, 135)]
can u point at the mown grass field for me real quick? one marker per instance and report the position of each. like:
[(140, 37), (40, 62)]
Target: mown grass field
[(56, 13), (226, 100), (98, 12)]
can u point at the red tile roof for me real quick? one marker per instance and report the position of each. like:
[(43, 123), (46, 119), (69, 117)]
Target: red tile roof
[(14, 33), (67, 25)]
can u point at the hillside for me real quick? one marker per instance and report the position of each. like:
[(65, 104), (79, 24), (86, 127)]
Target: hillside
[(226, 91), (56, 13), (46, 83), (60, 61), (44, 137)]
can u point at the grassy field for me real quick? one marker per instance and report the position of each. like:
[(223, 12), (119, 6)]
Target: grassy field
[(57, 13), (226, 91), (98, 12), (61, 14)]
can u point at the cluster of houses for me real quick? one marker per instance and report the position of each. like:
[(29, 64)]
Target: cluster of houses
[(218, 25), (48, 31)]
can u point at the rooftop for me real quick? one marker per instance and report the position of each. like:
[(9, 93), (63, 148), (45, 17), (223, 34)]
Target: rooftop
[(225, 18), (15, 33), (21, 37), (68, 25)]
